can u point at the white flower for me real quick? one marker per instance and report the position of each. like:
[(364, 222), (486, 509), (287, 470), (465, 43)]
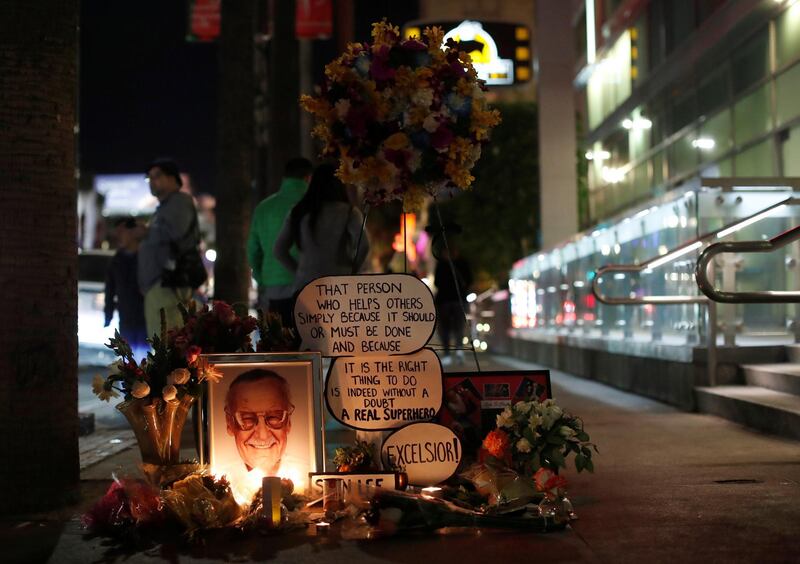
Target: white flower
[(431, 123), (179, 376), (140, 389), (504, 418), (169, 392), (342, 107), (566, 432), (523, 445), (115, 368), (523, 407), (422, 97), (534, 420)]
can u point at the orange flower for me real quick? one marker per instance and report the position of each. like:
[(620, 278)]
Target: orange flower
[(497, 443)]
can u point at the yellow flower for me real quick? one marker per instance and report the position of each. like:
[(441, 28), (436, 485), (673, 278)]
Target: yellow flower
[(99, 388), (384, 33), (396, 141), (414, 199), (460, 176), (482, 121), (318, 106), (211, 374), (435, 36)]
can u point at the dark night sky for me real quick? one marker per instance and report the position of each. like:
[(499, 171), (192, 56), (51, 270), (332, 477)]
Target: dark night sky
[(146, 92)]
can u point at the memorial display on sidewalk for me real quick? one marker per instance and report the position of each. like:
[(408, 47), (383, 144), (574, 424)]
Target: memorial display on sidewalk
[(406, 119)]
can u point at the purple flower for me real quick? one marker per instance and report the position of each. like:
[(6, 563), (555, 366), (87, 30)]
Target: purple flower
[(442, 137), (381, 70), (398, 157), (414, 45)]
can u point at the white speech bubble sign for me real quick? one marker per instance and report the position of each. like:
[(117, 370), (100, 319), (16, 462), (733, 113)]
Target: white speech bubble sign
[(373, 393), (365, 315), (429, 453)]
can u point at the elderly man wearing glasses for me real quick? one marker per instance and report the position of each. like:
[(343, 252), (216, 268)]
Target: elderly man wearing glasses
[(258, 412)]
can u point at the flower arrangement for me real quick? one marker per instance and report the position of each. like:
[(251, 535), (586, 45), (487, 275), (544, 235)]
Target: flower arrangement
[(172, 369), (357, 458), (404, 117), (531, 435)]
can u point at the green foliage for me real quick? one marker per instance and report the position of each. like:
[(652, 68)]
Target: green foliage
[(500, 213), (358, 457)]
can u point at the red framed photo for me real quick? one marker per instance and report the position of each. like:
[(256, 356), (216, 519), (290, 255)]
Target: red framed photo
[(472, 401)]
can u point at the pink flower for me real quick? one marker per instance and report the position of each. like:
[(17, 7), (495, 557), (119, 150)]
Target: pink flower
[(225, 313), (192, 354)]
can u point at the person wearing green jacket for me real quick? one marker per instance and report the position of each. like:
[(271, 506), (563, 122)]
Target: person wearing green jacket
[(275, 283)]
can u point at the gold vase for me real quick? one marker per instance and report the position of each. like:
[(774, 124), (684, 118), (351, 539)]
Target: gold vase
[(158, 425)]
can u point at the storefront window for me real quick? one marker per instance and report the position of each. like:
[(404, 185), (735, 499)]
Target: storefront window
[(610, 83), (756, 161), (788, 35), (751, 115), (790, 149), (682, 155), (751, 62), (715, 136), (713, 93), (787, 88)]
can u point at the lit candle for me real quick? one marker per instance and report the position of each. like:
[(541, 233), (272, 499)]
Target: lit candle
[(432, 492), (271, 491), (323, 527)]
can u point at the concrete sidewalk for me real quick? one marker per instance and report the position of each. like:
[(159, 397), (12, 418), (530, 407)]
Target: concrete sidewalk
[(669, 486)]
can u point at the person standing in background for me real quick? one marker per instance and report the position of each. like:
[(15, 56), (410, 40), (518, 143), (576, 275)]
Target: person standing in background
[(172, 230), (326, 228), (450, 300), (275, 282), (122, 290)]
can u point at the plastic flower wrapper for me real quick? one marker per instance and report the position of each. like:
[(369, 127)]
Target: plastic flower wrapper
[(201, 502), (394, 512), (504, 487), (126, 503)]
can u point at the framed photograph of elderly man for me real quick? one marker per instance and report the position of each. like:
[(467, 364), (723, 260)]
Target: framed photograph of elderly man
[(264, 417)]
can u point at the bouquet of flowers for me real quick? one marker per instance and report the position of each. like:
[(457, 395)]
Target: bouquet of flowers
[(404, 117), (531, 435), (172, 368)]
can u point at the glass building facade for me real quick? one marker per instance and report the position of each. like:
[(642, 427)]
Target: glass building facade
[(672, 92), (684, 90)]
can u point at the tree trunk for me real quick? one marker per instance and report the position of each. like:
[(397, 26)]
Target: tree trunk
[(284, 91), (39, 465), (236, 149)]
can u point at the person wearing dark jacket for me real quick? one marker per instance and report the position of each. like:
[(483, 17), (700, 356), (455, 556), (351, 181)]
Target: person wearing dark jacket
[(122, 290), (449, 308)]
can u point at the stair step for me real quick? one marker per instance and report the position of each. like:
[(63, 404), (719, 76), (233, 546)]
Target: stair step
[(753, 406), (793, 353), (784, 377)]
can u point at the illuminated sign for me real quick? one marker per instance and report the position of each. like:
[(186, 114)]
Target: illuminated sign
[(481, 47), (500, 51)]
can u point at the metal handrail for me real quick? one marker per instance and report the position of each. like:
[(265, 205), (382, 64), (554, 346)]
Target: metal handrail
[(671, 255), (760, 297)]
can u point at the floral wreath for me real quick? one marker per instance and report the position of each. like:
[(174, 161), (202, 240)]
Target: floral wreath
[(405, 118)]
